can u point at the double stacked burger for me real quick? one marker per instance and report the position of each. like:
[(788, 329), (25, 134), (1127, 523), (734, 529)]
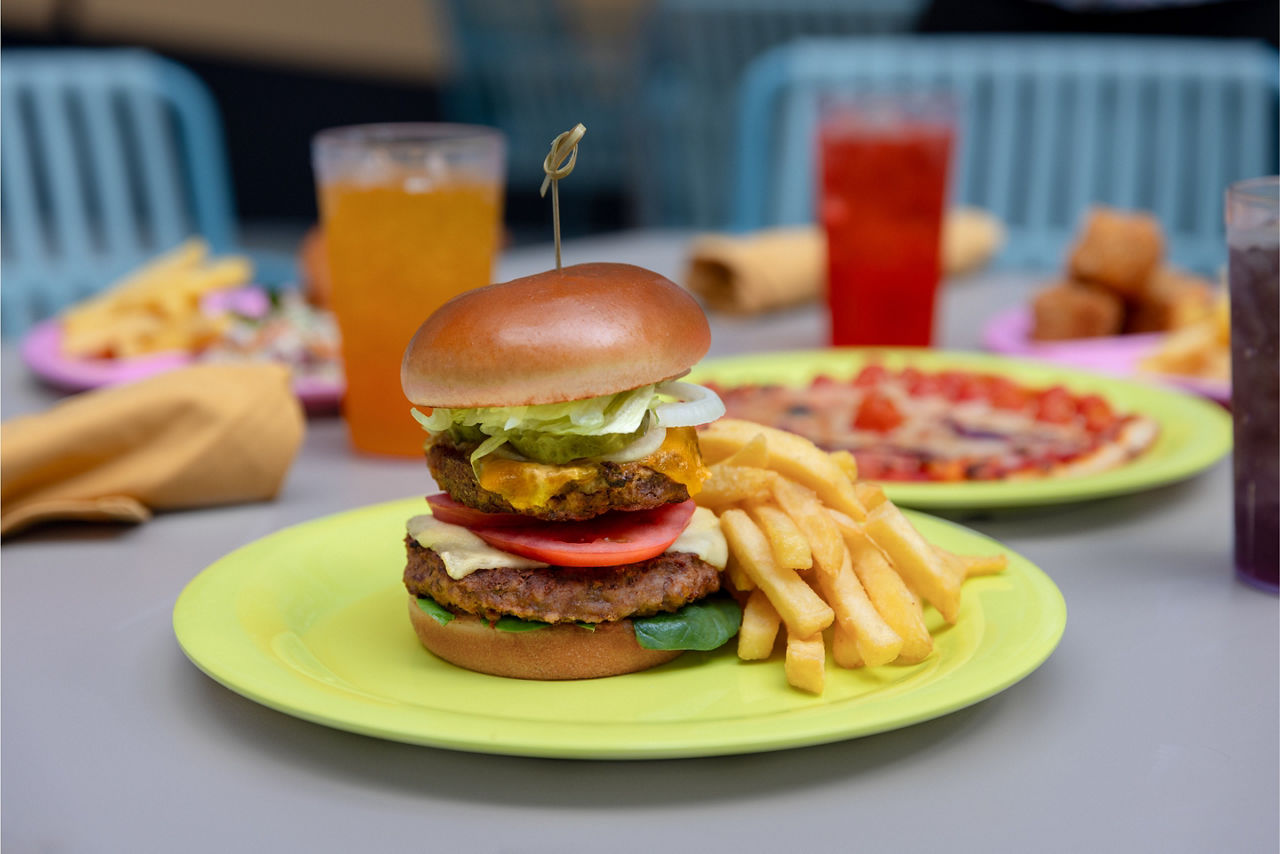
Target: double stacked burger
[(566, 543)]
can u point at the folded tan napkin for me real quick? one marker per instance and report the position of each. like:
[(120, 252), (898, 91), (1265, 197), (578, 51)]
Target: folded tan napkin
[(780, 267), (197, 436)]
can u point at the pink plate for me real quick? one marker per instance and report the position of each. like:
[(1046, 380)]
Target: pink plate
[(42, 353), (1008, 332)]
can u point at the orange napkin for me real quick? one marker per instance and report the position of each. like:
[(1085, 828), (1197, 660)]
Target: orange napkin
[(193, 437), (779, 267)]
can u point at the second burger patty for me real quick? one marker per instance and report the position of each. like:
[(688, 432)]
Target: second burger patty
[(564, 594), (614, 486)]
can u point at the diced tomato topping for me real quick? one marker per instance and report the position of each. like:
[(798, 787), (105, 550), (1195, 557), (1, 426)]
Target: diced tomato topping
[(1096, 412), (1056, 406), (949, 384), (947, 470), (612, 539), (885, 464), (920, 384), (822, 381), (877, 413), (871, 375), (1004, 393), (959, 386)]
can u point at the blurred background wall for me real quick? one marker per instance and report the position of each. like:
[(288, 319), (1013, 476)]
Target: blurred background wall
[(653, 80)]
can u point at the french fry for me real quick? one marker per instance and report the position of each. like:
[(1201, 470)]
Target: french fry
[(731, 485), (759, 630), (156, 274), (870, 494), (888, 591), (848, 464), (790, 548), (737, 575), (790, 455), (877, 643), (806, 662), (155, 308), (754, 454), (914, 559), (802, 505), (800, 608), (787, 507), (844, 648), (893, 600), (970, 566)]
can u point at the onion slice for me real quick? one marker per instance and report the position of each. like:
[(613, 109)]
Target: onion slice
[(642, 447), (693, 405)]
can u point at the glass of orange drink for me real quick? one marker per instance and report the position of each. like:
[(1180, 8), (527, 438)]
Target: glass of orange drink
[(412, 216)]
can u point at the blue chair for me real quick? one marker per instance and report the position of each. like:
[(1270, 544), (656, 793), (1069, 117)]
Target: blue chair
[(699, 49), (108, 158), (534, 69), (1047, 126)]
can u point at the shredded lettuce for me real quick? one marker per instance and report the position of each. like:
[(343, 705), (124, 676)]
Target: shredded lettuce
[(623, 413), (594, 416)]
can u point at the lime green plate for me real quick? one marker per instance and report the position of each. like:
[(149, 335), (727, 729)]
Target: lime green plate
[(1194, 433), (312, 621)]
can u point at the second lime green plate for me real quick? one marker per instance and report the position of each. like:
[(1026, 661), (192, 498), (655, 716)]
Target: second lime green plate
[(1194, 433), (312, 621)]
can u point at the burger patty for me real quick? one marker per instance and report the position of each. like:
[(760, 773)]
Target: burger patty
[(562, 594), (613, 486)]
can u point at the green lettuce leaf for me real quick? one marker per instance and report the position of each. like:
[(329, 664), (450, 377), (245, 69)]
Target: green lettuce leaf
[(703, 625), (515, 624), (435, 610)]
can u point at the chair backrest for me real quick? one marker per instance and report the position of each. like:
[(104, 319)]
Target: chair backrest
[(1047, 126), (534, 69), (699, 49), (108, 157)]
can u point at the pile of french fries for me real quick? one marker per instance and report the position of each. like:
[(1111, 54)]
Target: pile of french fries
[(1202, 349), (156, 308), (814, 550)]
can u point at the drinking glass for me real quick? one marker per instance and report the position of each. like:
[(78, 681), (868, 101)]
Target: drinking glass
[(1253, 245), (884, 162), (412, 216)]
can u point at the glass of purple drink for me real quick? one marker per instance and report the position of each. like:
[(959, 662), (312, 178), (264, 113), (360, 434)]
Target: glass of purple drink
[(1253, 243)]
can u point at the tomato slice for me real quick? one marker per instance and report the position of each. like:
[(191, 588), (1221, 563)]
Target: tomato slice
[(446, 509), (870, 376), (1056, 406), (877, 413), (612, 539)]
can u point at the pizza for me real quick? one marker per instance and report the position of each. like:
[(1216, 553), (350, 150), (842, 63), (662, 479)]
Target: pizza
[(913, 425)]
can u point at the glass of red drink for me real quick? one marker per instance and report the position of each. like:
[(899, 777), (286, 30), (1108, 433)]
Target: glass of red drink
[(884, 161), (1253, 245)]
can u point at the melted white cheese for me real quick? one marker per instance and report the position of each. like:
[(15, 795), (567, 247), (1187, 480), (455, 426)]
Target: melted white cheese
[(462, 552), (703, 538)]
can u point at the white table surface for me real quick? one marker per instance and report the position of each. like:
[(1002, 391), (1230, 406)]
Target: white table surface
[(1153, 727)]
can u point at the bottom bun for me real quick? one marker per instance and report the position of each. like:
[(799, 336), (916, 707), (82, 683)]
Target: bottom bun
[(563, 651)]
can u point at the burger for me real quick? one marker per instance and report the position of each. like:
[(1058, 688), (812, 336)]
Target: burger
[(566, 543)]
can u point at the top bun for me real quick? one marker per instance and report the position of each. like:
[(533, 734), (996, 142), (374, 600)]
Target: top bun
[(568, 334)]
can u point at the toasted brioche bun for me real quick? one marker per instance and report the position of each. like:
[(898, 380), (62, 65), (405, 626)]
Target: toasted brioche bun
[(583, 331), (557, 652)]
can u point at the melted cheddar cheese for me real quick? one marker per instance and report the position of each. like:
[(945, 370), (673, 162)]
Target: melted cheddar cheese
[(526, 484)]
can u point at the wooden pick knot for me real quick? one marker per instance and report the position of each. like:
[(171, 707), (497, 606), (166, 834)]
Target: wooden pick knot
[(558, 164)]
